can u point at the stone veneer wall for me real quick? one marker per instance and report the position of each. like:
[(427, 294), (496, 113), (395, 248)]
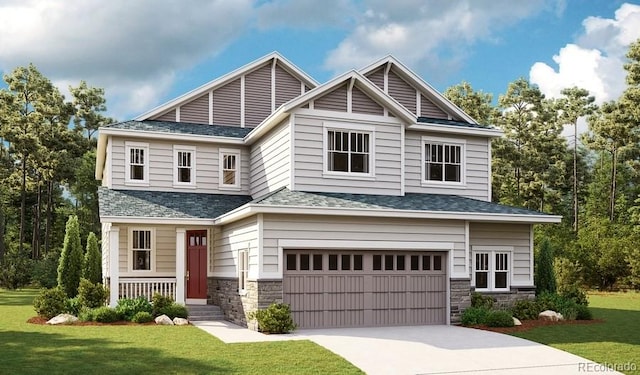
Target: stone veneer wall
[(459, 298), (506, 300), (259, 295)]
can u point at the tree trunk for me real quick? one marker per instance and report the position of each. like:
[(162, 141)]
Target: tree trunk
[(575, 176), (2, 234), (23, 202), (612, 193), (47, 230), (35, 238)]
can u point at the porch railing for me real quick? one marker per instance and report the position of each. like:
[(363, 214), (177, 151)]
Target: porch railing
[(147, 287)]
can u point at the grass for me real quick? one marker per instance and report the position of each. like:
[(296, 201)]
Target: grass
[(616, 341), (37, 349)]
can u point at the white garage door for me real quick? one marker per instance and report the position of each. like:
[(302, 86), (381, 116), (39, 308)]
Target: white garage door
[(365, 288)]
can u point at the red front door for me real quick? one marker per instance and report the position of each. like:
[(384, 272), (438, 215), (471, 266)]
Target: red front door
[(197, 264)]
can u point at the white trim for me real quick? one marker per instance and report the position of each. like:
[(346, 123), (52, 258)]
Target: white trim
[(462, 143), (155, 220), (490, 173), (224, 274), (178, 114), (181, 265), (292, 152), (152, 251), (467, 248), (171, 137), (350, 95), (347, 127), (273, 85), (243, 268), (114, 265), (492, 251), (402, 161), (452, 129), (211, 107), (192, 150), (242, 101), (260, 228), (238, 155), (418, 103), (531, 256), (366, 244), (128, 145), (110, 161)]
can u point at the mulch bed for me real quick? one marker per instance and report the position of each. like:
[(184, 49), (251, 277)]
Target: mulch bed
[(530, 324), (40, 320)]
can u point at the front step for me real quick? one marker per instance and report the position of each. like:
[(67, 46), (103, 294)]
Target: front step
[(205, 312)]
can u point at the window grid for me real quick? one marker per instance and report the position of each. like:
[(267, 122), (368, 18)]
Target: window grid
[(243, 269), (491, 270), (229, 169), (136, 163), (141, 250), (443, 162), (184, 166), (348, 151)]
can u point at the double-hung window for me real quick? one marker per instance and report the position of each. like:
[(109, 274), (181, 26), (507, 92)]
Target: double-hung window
[(229, 169), (141, 249), (137, 163), (243, 270), (443, 161), (492, 269), (349, 151), (184, 166)]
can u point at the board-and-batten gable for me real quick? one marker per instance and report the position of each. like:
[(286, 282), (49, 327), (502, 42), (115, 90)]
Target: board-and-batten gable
[(243, 97)]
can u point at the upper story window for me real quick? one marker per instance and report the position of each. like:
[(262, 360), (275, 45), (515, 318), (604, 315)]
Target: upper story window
[(491, 270), (184, 166), (141, 249), (137, 163), (229, 169), (349, 151), (443, 160)]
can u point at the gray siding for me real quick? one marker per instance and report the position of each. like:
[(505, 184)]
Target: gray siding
[(401, 91), (164, 252), (476, 171), (335, 100), (361, 103), (270, 169), (161, 167), (170, 115), (196, 111), (377, 77), (309, 174), (229, 240), (288, 227), (257, 96), (516, 235), (287, 86), (226, 104), (428, 109)]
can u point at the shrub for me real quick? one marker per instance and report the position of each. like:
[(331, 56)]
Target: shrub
[(91, 265), (70, 267), (545, 279), (50, 302), (499, 318), (159, 302), (105, 314), (583, 313), (174, 310), (128, 307), (142, 317), (91, 295), (575, 294), (72, 306), (526, 309), (569, 311), (474, 315), (480, 300), (274, 319), (16, 267), (45, 270), (87, 315), (549, 301)]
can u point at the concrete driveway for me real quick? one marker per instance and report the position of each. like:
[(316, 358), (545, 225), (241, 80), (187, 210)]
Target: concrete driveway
[(427, 350)]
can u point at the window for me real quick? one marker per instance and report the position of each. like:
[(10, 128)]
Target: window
[(349, 152), (141, 249), (137, 163), (243, 269), (229, 169), (443, 160), (491, 270), (184, 165)]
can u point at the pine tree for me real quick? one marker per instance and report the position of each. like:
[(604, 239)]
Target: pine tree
[(70, 267), (545, 279), (92, 267)]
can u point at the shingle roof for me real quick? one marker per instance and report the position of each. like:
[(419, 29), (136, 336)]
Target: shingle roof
[(182, 128), (410, 202), (439, 121), (158, 204)]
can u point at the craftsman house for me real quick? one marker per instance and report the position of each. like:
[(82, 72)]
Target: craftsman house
[(363, 201)]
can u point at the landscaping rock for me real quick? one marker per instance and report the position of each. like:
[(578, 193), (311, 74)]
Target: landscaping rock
[(516, 322), (63, 319), (164, 320), (550, 315), (180, 321)]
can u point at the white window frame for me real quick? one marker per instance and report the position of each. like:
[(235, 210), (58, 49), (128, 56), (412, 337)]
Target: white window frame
[(127, 171), (152, 250), (177, 149), (492, 251), (243, 270), (349, 128), (237, 154), (445, 142)]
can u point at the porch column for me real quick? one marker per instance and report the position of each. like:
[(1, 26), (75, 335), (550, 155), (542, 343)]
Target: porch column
[(180, 264), (114, 265)]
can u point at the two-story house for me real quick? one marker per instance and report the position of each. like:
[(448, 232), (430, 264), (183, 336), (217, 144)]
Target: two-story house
[(362, 201)]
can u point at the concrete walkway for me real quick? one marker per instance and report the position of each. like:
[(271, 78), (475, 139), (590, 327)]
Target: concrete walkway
[(426, 350)]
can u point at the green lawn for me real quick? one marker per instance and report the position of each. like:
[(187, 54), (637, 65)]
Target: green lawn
[(616, 341), (36, 349)]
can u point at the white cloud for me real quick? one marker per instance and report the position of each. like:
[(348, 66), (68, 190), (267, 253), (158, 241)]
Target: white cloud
[(307, 14), (416, 31), (131, 48), (595, 61)]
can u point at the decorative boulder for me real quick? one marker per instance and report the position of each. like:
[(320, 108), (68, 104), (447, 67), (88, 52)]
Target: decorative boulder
[(180, 321), (550, 315), (164, 320), (516, 322), (63, 319)]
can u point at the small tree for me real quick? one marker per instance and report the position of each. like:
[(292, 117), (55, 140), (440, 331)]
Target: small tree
[(545, 279), (92, 267), (16, 267), (70, 267)]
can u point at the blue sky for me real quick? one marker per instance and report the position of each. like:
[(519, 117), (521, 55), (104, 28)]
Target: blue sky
[(149, 51)]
